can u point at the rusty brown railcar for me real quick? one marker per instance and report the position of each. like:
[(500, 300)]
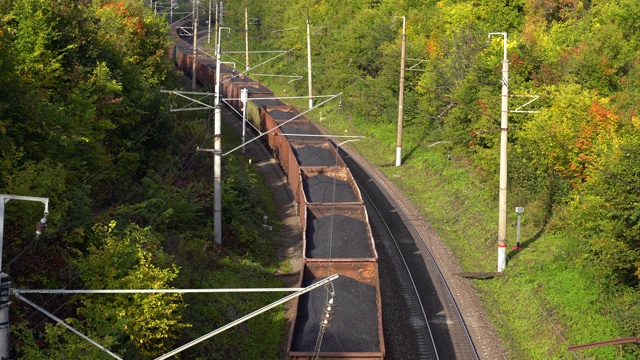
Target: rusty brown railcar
[(337, 237), (355, 331)]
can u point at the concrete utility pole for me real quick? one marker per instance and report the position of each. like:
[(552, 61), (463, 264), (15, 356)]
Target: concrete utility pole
[(217, 152), (246, 37), (502, 200), (4, 278), (401, 96), (195, 44), (215, 33), (221, 13), (209, 25), (244, 97), (309, 60)]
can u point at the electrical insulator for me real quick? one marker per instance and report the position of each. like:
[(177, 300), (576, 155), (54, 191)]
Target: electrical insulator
[(42, 225), (326, 316)]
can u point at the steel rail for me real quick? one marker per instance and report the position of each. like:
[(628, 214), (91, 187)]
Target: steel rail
[(442, 279), (422, 244), (406, 266)]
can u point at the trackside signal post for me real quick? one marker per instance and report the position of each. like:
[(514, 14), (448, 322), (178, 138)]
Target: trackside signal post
[(519, 211), (502, 200), (4, 278)]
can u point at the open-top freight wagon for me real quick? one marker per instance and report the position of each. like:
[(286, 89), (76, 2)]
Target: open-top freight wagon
[(343, 320)]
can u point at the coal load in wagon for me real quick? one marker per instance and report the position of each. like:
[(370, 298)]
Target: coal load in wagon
[(310, 155), (281, 115), (267, 102), (337, 236), (354, 324), (242, 79), (323, 188), (298, 127), (208, 63)]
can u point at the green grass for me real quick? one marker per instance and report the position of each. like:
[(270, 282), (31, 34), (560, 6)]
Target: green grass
[(546, 301)]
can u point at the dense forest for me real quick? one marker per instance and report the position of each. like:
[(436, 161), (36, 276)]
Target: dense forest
[(83, 123)]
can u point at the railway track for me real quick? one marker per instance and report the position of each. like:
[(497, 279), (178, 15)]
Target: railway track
[(421, 319)]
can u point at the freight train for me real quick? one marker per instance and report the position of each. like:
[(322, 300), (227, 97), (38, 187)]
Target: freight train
[(343, 321)]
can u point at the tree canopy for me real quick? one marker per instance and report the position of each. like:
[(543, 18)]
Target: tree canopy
[(83, 122)]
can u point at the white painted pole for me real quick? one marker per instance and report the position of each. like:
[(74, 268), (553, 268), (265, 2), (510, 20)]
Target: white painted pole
[(309, 61), (246, 37), (519, 211), (195, 44), (244, 96), (401, 94), (217, 177), (217, 152), (502, 200), (215, 33), (209, 25)]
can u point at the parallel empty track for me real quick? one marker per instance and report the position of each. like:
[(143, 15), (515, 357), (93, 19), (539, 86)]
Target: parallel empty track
[(420, 317)]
